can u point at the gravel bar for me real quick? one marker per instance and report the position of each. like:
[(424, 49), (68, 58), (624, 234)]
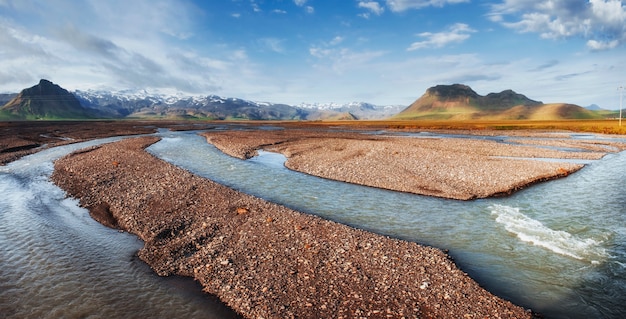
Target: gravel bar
[(265, 260), (457, 168)]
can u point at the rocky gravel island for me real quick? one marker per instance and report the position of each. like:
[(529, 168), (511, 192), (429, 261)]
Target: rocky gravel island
[(456, 168)]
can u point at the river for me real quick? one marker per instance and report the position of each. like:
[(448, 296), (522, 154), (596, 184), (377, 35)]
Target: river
[(558, 247), (57, 262)]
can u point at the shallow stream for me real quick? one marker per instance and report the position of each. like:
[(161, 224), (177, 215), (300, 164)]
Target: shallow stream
[(57, 262), (558, 247)]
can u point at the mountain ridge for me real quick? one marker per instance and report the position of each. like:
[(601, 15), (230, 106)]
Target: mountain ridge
[(460, 102), (457, 101), (45, 100), (141, 103)]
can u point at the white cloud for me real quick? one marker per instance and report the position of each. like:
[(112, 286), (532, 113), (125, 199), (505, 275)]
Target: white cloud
[(273, 44), (403, 5), (97, 44), (301, 3), (601, 22), (373, 6), (602, 45), (338, 59), (18, 43), (255, 6), (336, 40), (456, 34)]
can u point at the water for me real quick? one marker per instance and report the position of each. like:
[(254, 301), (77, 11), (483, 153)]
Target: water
[(57, 262), (558, 247)]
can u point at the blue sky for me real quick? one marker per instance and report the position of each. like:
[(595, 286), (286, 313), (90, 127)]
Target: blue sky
[(294, 51)]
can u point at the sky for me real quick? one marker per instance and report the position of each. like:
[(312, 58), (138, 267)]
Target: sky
[(385, 52)]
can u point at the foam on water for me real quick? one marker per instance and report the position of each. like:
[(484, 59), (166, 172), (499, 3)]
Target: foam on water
[(561, 242), (57, 262)]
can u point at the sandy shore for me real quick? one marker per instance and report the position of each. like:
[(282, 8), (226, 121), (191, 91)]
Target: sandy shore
[(262, 259), (449, 167)]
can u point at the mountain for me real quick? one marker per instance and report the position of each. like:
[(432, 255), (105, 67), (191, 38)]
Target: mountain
[(594, 107), (144, 104), (356, 110), (45, 100), (49, 101), (460, 102), (6, 97), (141, 104)]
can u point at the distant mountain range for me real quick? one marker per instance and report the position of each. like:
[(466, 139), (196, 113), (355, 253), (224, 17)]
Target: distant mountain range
[(6, 97), (47, 100), (141, 104), (460, 102)]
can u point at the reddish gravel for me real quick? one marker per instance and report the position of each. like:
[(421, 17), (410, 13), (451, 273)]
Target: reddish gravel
[(449, 167), (262, 259)]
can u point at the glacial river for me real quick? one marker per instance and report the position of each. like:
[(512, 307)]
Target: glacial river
[(57, 262), (558, 247)]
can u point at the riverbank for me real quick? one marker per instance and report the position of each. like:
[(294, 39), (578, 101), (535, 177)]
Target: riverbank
[(456, 168), (21, 138), (262, 259)]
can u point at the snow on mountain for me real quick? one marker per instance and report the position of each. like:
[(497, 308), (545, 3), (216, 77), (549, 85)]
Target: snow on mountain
[(157, 97), (141, 102), (334, 106)]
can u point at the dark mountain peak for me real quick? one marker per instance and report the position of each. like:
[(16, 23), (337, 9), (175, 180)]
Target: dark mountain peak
[(510, 97), (45, 88), (453, 91), (461, 102), (45, 100)]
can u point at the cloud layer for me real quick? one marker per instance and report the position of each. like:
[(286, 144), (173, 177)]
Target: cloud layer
[(380, 51), (601, 22)]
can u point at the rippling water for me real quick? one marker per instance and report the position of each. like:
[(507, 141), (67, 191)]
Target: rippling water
[(558, 247), (57, 262)]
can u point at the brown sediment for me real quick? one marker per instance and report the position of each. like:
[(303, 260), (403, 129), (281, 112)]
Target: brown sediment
[(265, 260), (443, 167), (20, 138)]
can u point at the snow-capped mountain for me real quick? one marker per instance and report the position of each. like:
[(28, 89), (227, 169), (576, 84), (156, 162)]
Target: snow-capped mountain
[(359, 110), (143, 103)]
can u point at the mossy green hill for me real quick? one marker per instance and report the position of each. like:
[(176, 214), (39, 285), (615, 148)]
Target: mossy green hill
[(45, 100), (460, 102)]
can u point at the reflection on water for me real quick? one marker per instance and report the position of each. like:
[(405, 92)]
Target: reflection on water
[(557, 247), (57, 262)]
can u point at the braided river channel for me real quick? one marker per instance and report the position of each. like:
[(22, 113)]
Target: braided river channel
[(558, 248)]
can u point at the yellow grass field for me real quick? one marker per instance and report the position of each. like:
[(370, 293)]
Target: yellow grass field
[(590, 126)]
